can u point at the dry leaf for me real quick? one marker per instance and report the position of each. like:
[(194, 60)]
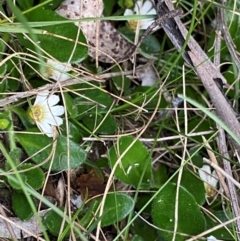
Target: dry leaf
[(109, 45), (90, 184)]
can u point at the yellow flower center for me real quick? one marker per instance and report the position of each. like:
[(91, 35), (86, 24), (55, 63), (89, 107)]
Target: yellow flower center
[(133, 24), (210, 191), (49, 71), (37, 113)]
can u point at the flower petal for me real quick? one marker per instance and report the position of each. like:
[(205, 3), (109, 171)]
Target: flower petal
[(41, 97), (45, 128), (59, 76), (57, 70), (213, 180), (137, 7), (59, 121), (50, 119), (59, 66), (53, 100), (128, 12), (205, 173), (57, 110), (211, 238), (55, 121), (146, 24), (146, 7)]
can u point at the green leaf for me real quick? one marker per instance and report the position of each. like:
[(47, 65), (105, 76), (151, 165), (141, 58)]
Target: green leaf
[(145, 95), (14, 184), (91, 100), (194, 185), (191, 220), (108, 123), (12, 80), (141, 202), (25, 4), (53, 223), (121, 82), (149, 45), (16, 154), (3, 70), (3, 83), (5, 121), (51, 5), (108, 7), (60, 159), (196, 158), (128, 3), (116, 207), (74, 132), (144, 230), (134, 164), (159, 175), (221, 233), (88, 217), (60, 48), (21, 206), (137, 238), (34, 177)]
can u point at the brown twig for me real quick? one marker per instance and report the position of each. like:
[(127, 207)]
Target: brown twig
[(222, 147), (221, 139), (227, 37), (208, 73)]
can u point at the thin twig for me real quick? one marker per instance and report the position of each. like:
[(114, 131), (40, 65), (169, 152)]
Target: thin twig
[(228, 38), (18, 96), (222, 147)]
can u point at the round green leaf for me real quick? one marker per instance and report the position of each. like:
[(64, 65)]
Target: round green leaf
[(5, 121), (53, 223), (116, 207), (194, 185), (4, 124), (62, 47), (134, 164), (60, 158), (191, 220), (15, 184), (21, 206), (34, 177), (106, 125)]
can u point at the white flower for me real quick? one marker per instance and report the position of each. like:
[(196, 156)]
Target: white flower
[(46, 113), (56, 70), (144, 9), (210, 180), (211, 238)]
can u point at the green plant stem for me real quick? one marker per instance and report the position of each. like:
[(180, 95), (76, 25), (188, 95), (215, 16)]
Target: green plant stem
[(5, 153), (11, 135), (17, 178)]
